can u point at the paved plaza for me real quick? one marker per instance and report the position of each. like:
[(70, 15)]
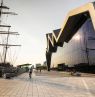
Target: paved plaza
[(47, 86)]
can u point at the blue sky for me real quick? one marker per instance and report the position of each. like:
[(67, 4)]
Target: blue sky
[(35, 19)]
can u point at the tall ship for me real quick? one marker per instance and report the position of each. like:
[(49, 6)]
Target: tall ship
[(5, 38)]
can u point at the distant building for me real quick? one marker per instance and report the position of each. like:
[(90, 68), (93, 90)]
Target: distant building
[(45, 63), (38, 65), (24, 65), (74, 43)]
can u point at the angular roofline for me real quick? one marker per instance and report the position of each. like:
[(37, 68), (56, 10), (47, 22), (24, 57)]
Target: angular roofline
[(51, 37), (87, 7)]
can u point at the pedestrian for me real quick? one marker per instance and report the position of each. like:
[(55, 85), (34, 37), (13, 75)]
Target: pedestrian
[(30, 72), (40, 69)]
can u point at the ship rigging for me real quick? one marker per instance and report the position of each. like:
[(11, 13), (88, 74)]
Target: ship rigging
[(4, 44)]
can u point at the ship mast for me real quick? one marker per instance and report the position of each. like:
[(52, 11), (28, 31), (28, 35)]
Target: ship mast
[(6, 45)]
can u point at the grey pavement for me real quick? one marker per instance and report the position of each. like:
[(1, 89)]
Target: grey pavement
[(47, 86)]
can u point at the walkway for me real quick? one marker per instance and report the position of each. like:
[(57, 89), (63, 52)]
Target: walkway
[(47, 86)]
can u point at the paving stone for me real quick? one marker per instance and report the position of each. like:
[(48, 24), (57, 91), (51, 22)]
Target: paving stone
[(47, 86)]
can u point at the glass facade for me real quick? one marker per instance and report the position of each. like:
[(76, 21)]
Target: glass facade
[(78, 48)]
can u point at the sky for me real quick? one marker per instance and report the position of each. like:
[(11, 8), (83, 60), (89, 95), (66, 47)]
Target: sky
[(36, 18)]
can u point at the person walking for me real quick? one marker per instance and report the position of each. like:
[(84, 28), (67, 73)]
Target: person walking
[(30, 72)]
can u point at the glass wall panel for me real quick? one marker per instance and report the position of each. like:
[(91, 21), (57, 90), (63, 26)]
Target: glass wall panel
[(74, 52)]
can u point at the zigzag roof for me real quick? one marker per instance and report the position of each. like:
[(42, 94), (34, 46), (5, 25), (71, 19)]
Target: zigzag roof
[(74, 20)]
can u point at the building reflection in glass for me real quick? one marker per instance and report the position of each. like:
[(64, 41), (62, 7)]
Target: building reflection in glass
[(80, 49)]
